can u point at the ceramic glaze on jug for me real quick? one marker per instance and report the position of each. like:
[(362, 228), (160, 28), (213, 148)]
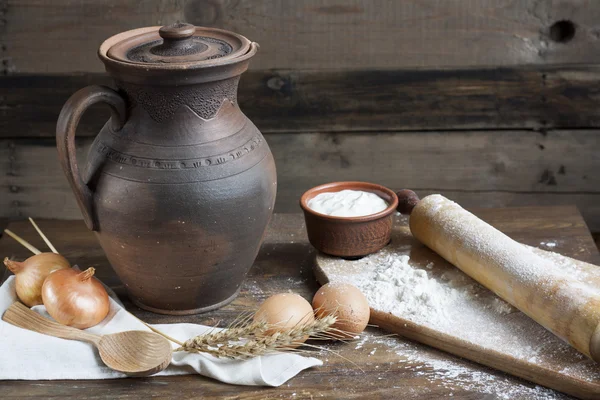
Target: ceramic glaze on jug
[(179, 185)]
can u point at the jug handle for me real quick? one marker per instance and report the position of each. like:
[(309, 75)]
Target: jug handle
[(65, 139)]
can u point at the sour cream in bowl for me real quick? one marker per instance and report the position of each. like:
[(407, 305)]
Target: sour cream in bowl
[(349, 219)]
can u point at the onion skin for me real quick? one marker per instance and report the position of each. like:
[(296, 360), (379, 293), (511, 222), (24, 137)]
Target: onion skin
[(31, 274), (75, 298)]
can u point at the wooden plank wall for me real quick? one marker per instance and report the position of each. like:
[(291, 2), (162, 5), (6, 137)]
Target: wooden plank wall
[(62, 35), (491, 102)]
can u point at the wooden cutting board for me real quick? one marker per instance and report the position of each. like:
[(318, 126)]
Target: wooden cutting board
[(489, 331)]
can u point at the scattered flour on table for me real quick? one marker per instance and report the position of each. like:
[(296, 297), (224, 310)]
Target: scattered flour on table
[(442, 370), (449, 372), (548, 244)]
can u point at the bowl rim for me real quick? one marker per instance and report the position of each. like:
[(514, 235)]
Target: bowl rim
[(358, 185)]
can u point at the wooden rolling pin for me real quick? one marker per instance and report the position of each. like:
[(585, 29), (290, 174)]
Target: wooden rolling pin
[(564, 305)]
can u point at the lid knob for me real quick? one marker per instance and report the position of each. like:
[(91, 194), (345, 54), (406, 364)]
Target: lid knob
[(177, 31), (178, 40)]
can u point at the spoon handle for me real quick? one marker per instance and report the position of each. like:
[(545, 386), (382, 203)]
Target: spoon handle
[(20, 315)]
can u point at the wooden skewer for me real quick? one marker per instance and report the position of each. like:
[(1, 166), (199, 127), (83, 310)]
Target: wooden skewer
[(37, 228), (156, 330), (162, 334), (22, 241)]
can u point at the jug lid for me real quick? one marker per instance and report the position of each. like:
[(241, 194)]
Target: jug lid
[(177, 44)]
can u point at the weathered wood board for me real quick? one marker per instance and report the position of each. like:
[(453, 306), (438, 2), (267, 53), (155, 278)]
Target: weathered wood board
[(531, 97), (485, 330), (390, 367), (50, 36), (477, 169)]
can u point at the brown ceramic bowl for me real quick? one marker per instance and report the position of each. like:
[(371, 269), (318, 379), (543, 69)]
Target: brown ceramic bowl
[(349, 236)]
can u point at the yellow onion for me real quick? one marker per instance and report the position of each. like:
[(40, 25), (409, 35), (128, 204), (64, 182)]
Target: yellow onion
[(75, 298), (31, 273)]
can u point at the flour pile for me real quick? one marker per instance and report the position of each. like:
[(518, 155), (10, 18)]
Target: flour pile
[(421, 294), (396, 287)]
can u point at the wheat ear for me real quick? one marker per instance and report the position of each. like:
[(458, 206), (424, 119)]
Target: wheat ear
[(260, 344), (232, 334)]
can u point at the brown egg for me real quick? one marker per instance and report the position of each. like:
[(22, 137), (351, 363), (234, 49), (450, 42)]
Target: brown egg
[(345, 302), (285, 311)]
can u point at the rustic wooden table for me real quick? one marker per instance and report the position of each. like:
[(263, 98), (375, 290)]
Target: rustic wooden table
[(382, 366)]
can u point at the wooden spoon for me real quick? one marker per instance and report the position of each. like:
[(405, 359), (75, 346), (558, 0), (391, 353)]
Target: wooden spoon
[(136, 353)]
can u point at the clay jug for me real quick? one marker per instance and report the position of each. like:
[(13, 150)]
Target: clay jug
[(179, 185)]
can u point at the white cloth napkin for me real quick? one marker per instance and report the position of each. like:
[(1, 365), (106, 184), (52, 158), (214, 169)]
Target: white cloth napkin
[(30, 355)]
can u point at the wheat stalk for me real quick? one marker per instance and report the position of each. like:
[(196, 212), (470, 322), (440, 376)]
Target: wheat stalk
[(248, 339)]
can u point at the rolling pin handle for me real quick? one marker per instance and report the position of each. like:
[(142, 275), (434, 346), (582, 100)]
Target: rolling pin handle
[(595, 345), (407, 200)]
